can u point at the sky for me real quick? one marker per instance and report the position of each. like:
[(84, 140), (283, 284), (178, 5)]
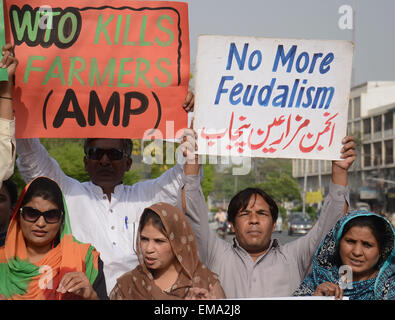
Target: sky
[(374, 27)]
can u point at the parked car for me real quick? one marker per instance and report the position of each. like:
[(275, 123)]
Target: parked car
[(299, 223)]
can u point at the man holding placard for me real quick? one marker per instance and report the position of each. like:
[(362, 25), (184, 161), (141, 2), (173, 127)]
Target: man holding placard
[(258, 97), (256, 265)]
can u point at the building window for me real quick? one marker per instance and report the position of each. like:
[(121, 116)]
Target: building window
[(300, 167), (350, 109), (389, 152), (357, 107), (388, 124), (310, 166), (377, 154), (377, 127), (357, 127), (366, 155), (377, 124), (349, 130), (366, 129)]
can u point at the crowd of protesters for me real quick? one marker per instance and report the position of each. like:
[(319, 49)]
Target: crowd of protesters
[(102, 239)]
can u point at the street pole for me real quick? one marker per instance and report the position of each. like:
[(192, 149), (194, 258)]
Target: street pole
[(353, 41), (304, 185), (319, 182)]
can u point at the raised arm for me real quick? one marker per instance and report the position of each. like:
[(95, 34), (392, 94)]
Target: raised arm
[(165, 188), (7, 122), (34, 161), (340, 168), (335, 205), (194, 205)]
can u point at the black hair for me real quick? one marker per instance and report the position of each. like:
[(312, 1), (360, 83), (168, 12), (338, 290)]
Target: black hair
[(48, 190), (240, 202), (12, 190), (150, 215), (127, 145), (380, 230)]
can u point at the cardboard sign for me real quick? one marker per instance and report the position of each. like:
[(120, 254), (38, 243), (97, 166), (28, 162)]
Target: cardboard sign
[(260, 97), (314, 197), (98, 68)]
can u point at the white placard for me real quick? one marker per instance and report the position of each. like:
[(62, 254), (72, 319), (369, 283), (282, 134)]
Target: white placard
[(263, 97)]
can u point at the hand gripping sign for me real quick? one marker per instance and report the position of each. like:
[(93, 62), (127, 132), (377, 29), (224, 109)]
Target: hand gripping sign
[(261, 97), (3, 72), (99, 69)]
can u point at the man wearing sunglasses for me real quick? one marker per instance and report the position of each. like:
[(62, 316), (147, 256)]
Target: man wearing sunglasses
[(107, 161), (104, 211)]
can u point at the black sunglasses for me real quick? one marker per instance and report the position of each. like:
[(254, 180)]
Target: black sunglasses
[(32, 215), (98, 153)]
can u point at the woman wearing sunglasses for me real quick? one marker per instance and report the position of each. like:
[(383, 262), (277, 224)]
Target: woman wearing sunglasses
[(41, 259)]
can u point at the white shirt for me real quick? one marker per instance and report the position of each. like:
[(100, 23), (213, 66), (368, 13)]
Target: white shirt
[(7, 149), (111, 227)]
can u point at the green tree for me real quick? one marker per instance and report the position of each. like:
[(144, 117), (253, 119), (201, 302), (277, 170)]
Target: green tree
[(157, 152), (223, 184), (281, 187), (208, 179), (170, 149), (131, 177), (70, 158), (262, 167), (69, 154), (226, 184), (17, 178)]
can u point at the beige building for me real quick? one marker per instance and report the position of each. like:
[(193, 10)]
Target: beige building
[(371, 120)]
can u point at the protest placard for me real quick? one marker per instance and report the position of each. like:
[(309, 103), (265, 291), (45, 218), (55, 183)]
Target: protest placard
[(314, 197), (262, 97), (99, 69)]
